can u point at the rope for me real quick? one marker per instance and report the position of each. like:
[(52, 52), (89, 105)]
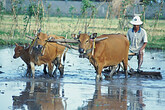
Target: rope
[(31, 49), (33, 41)]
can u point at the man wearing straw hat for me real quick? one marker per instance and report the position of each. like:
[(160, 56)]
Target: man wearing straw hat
[(137, 37)]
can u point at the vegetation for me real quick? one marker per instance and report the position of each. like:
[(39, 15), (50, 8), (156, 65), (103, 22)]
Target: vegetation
[(67, 25), (14, 27)]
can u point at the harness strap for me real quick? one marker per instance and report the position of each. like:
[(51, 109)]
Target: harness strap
[(33, 41), (31, 49), (93, 47)]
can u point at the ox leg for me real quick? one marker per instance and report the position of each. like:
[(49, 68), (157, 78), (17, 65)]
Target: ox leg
[(50, 69), (113, 70), (28, 70), (32, 69), (45, 69), (125, 68), (56, 63), (59, 66), (98, 76), (61, 69)]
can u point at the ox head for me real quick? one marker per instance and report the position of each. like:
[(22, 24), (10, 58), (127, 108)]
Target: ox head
[(38, 43), (19, 50), (85, 43)]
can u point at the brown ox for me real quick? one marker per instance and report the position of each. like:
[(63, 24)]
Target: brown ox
[(104, 53), (23, 52), (43, 52)]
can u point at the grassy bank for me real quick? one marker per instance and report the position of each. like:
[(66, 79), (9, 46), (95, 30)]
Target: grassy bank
[(12, 31)]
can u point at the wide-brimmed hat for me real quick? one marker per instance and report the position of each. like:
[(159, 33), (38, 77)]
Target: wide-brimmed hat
[(136, 21)]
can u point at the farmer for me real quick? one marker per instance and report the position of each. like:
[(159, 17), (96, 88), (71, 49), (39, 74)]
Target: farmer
[(137, 37)]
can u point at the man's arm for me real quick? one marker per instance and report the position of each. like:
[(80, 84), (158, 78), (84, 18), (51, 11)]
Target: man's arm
[(142, 48)]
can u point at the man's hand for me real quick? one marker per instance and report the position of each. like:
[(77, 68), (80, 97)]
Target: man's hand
[(142, 48)]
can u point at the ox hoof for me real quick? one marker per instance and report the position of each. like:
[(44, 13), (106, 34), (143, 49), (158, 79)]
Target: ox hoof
[(61, 69), (99, 78), (50, 74), (26, 74)]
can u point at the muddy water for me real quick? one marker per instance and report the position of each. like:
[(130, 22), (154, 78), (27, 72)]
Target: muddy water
[(77, 90)]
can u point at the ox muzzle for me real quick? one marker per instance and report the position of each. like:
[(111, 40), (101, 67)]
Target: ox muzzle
[(83, 53), (14, 56)]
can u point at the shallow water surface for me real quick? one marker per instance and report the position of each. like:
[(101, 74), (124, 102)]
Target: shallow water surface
[(78, 90)]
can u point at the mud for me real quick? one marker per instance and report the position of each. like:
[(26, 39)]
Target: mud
[(78, 90)]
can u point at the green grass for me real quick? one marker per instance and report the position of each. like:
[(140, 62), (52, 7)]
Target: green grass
[(11, 33)]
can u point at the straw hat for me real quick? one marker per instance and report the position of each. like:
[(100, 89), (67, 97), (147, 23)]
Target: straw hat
[(136, 21)]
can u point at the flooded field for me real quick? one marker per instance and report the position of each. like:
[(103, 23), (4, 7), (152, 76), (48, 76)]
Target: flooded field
[(78, 90)]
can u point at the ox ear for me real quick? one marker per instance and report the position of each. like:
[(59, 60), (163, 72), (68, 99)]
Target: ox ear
[(16, 44), (93, 36), (74, 36), (26, 45), (79, 32), (35, 32)]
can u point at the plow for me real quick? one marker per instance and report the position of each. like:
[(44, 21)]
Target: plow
[(143, 74), (131, 72)]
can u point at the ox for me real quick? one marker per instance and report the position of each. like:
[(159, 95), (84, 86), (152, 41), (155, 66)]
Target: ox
[(43, 52), (104, 53), (23, 52)]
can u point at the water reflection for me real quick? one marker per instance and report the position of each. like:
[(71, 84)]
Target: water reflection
[(40, 96), (115, 98), (136, 101), (50, 96)]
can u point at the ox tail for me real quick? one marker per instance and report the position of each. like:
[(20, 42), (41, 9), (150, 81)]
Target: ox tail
[(64, 56)]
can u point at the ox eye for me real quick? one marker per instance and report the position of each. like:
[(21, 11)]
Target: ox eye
[(87, 41)]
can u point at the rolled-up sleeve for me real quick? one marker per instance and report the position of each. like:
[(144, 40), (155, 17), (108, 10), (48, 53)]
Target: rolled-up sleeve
[(145, 36)]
